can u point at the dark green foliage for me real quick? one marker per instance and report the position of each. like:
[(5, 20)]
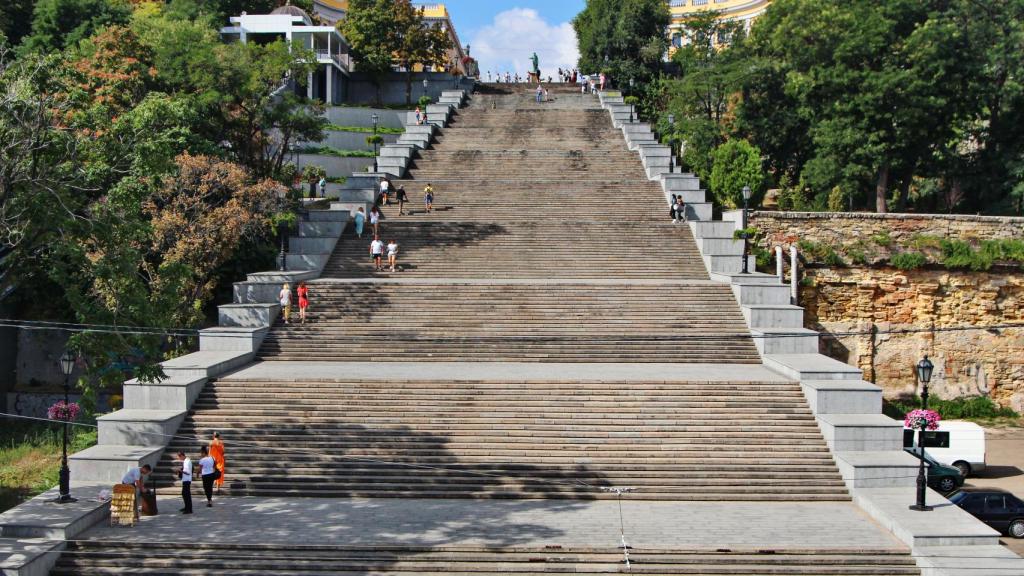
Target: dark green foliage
[(908, 260), (57, 24), (965, 408), (820, 252), (736, 164), (328, 151), (16, 19), (623, 38)]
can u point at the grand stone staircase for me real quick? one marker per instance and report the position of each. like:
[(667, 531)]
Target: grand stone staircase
[(100, 558), (549, 245)]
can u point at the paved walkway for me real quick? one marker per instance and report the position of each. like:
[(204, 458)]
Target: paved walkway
[(649, 525), (507, 371)]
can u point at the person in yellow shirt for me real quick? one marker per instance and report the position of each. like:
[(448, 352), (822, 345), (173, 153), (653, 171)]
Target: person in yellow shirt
[(428, 197)]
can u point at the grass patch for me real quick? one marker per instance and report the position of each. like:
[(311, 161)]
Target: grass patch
[(364, 130), (908, 260), (328, 151), (820, 252), (337, 179), (883, 239), (980, 409), (30, 458)]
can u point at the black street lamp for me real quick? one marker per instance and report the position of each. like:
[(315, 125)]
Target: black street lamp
[(924, 375), (375, 118), (426, 86), (67, 365), (746, 247), (282, 230), (671, 143)]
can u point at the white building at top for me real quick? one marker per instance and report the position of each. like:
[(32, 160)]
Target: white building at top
[(330, 81)]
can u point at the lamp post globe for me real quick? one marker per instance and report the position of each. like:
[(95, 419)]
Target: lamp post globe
[(67, 365), (426, 86), (924, 376), (745, 267), (924, 370)]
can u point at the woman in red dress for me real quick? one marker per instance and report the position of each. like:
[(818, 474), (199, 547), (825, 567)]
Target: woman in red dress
[(303, 293)]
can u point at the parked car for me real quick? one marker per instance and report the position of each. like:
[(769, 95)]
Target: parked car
[(955, 443), (997, 508), (943, 478)]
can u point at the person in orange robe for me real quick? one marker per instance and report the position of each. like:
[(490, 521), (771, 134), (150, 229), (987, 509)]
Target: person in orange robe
[(217, 452)]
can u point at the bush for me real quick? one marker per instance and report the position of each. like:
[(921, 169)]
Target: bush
[(820, 253), (965, 408), (425, 101), (736, 164), (908, 260), (883, 239)]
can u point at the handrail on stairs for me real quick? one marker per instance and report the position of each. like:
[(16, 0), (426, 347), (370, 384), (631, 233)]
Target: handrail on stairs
[(794, 275)]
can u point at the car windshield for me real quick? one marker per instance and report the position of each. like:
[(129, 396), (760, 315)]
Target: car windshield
[(927, 457), (958, 497)]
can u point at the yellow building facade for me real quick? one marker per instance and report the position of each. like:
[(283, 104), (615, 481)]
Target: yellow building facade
[(435, 14), (745, 11)]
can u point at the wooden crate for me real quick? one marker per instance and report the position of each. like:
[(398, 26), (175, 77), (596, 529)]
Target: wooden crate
[(122, 505)]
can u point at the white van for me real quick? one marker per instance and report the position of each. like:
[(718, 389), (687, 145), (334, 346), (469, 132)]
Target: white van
[(956, 443)]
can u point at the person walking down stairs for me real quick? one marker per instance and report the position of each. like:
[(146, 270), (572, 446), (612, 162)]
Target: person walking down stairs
[(376, 252), (284, 297), (428, 198), (217, 445), (303, 293), (392, 254), (360, 219), (385, 189)]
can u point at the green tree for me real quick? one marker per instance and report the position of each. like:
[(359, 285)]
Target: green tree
[(57, 24), (16, 19), (369, 27), (736, 164), (878, 86), (625, 38), (418, 43), (43, 179)]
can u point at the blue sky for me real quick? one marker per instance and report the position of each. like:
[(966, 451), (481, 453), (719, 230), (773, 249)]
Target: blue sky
[(504, 33)]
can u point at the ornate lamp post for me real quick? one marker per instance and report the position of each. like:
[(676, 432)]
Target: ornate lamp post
[(746, 246), (282, 228), (67, 365), (376, 119), (426, 86), (671, 143), (924, 375)]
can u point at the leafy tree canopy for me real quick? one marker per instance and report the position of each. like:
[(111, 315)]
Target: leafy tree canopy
[(624, 38), (57, 24)]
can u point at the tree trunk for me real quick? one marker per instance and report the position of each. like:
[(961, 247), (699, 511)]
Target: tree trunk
[(882, 190), (904, 186)]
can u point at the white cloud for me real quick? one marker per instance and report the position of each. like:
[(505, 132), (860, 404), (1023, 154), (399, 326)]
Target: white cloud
[(508, 42)]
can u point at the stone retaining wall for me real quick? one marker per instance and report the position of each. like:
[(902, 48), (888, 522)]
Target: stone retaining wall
[(967, 363), (860, 299)]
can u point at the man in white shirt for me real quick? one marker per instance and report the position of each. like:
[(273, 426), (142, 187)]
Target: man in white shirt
[(376, 252), (135, 477), (186, 482)]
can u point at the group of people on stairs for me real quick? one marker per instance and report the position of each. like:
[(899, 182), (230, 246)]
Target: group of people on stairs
[(211, 470)]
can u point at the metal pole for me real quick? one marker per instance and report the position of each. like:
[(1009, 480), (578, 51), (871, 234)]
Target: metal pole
[(65, 472), (793, 275), (920, 506), (746, 245), (282, 257), (924, 396), (780, 265)]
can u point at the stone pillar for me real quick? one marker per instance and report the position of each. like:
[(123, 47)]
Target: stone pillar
[(329, 93), (309, 87)]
